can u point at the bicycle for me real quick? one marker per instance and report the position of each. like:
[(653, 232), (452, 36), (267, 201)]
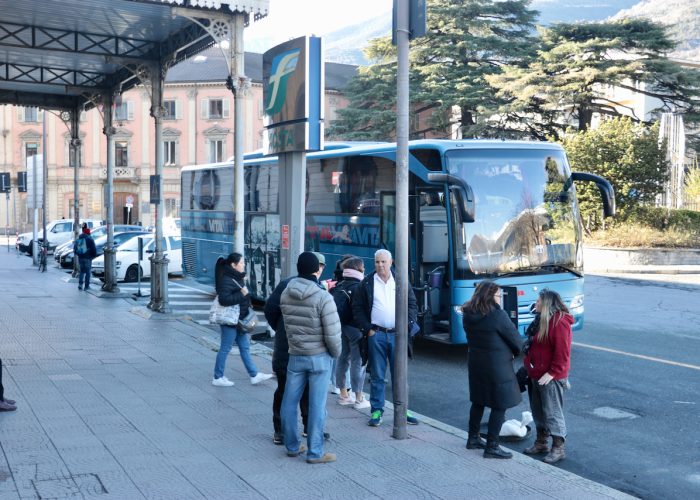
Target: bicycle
[(43, 252)]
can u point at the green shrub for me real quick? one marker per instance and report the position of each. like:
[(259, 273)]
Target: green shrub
[(660, 218)]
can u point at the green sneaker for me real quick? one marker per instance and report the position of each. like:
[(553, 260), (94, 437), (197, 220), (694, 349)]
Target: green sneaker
[(376, 418), (410, 419)]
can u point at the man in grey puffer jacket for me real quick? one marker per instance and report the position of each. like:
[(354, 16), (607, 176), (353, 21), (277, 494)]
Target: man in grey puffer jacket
[(313, 331)]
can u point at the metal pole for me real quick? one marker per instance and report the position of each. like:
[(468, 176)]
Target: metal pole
[(399, 377), (44, 177), (159, 263), (110, 258), (238, 134), (75, 147), (35, 210), (7, 226)]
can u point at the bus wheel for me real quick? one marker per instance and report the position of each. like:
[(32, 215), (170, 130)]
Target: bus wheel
[(132, 273)]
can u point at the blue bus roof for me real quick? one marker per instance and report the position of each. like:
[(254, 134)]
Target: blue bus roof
[(441, 145)]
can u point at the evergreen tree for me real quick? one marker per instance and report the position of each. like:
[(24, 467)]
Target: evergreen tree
[(466, 40), (628, 154), (577, 65)]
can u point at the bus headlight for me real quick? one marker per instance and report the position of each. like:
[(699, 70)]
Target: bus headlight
[(576, 305), (458, 310)]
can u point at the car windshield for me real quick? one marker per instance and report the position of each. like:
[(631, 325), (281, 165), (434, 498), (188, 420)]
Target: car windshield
[(132, 245), (526, 218)]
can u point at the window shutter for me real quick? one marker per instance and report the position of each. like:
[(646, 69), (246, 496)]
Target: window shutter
[(130, 110), (225, 106), (39, 115), (205, 109), (20, 113), (178, 109)]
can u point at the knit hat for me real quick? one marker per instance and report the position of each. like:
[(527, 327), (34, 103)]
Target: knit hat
[(320, 257), (307, 263)]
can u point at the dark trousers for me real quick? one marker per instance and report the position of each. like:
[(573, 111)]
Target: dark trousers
[(277, 403), (2, 389), (496, 420)]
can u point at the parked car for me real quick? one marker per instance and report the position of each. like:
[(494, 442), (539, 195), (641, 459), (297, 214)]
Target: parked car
[(122, 232), (127, 265), (57, 232)]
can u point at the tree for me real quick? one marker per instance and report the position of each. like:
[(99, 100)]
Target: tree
[(466, 41), (578, 63), (372, 95), (628, 154), (692, 184)]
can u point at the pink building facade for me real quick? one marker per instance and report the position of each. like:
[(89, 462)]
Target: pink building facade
[(198, 129)]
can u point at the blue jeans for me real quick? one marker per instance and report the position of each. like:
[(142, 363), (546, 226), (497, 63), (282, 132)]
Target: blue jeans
[(228, 335), (381, 349), (316, 371), (350, 357), (85, 265)]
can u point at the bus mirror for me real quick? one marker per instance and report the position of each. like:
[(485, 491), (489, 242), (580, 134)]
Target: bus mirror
[(607, 192), (463, 193)]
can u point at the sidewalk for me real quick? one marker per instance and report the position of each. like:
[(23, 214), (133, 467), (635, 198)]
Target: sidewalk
[(113, 405)]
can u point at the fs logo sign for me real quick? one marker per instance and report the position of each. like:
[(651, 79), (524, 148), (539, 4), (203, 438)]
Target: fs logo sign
[(283, 65)]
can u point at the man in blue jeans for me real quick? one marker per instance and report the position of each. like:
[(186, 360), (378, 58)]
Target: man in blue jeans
[(313, 332), (84, 249), (374, 311)]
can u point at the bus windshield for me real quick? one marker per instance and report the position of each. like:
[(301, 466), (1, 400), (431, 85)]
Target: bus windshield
[(526, 215)]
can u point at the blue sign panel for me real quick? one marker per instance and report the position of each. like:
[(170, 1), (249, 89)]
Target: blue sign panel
[(293, 96)]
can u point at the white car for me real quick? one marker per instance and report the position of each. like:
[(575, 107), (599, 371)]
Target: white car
[(127, 266), (57, 232)]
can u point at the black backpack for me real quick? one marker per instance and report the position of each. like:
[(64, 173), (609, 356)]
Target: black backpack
[(342, 295)]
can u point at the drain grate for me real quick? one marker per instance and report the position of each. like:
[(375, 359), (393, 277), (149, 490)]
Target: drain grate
[(71, 486)]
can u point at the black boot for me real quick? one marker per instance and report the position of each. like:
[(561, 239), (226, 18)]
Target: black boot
[(475, 442), (493, 450)]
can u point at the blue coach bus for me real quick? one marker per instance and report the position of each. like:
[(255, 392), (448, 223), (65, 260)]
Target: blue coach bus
[(478, 209)]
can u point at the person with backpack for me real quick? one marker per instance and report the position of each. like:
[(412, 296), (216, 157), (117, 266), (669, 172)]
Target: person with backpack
[(352, 274), (85, 250)]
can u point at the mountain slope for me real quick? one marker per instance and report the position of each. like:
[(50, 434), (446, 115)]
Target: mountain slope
[(682, 18)]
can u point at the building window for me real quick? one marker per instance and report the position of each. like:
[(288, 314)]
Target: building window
[(124, 111), (31, 149), (31, 115), (216, 150), (172, 207), (216, 108), (170, 107), (121, 154), (170, 153)]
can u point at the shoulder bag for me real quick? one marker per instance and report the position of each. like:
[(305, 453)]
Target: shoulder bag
[(250, 321), (222, 315)]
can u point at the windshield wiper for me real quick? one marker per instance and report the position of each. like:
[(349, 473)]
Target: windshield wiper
[(559, 267), (534, 270)]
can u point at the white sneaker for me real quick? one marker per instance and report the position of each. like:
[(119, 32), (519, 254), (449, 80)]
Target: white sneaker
[(350, 400), (335, 390), (260, 377), (221, 382), (361, 405)]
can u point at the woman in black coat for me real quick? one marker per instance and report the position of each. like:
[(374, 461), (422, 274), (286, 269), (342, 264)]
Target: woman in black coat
[(493, 343), (231, 291)]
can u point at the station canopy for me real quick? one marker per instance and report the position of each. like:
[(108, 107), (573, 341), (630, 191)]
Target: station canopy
[(61, 54)]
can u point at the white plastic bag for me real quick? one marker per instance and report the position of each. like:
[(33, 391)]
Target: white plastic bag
[(515, 427)]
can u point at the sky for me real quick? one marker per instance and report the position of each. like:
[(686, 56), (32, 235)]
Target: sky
[(293, 18)]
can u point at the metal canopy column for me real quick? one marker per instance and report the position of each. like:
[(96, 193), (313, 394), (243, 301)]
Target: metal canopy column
[(75, 146), (240, 87), (110, 284), (159, 262), (292, 197)]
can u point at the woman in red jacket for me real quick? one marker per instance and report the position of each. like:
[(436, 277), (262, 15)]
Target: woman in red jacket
[(547, 363)]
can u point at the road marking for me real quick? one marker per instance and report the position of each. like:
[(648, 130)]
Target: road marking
[(638, 356)]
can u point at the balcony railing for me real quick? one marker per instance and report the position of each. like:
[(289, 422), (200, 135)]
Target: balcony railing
[(121, 173)]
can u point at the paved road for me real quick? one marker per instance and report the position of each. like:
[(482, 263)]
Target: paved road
[(633, 409)]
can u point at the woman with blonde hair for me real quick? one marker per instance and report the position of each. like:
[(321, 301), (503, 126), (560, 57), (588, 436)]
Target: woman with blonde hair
[(493, 342), (547, 362)]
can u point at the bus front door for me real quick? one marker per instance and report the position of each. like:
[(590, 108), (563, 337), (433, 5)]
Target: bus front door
[(430, 259)]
